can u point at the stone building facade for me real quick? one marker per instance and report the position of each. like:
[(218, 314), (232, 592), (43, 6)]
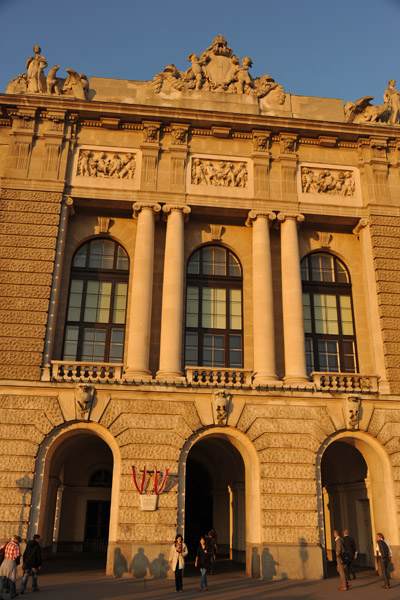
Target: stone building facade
[(200, 277)]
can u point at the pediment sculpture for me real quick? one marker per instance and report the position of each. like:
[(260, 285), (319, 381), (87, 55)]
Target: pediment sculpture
[(363, 111), (217, 70), (34, 81)]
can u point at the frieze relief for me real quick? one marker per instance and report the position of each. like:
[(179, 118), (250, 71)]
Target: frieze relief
[(327, 181), (106, 167), (219, 173)]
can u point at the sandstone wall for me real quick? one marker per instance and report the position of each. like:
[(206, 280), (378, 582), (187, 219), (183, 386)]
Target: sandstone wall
[(28, 235)]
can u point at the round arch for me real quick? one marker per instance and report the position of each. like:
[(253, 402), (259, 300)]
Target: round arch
[(381, 484), (46, 453), (250, 459)]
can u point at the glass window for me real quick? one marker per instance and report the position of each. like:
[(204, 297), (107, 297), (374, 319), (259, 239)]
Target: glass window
[(96, 314), (328, 315), (214, 309)]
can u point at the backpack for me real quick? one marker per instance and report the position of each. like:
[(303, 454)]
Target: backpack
[(346, 558)]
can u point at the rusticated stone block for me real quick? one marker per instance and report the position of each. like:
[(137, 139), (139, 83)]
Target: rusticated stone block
[(277, 440), (150, 533), (392, 448), (276, 518), (390, 322), (289, 426), (388, 311), (18, 463), (23, 331), (15, 344), (7, 530), (41, 196), (290, 535), (24, 291), (277, 412), (30, 218), (150, 452), (387, 265), (28, 241), (149, 422), (136, 516), (383, 239), (384, 221), (20, 432), (26, 279), (126, 465), (388, 432), (19, 480), (381, 416), (391, 299), (28, 230), (186, 409), (288, 486), (23, 448), (383, 275), (26, 265), (392, 347), (48, 404), (29, 207), (8, 193), (24, 304), (16, 496), (287, 471), (296, 502), (20, 358), (23, 317), (14, 513), (131, 499), (25, 417), (383, 252), (393, 361), (27, 253), (287, 455), (144, 436), (26, 373), (389, 287)]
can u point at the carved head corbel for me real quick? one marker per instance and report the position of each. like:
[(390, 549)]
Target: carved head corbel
[(221, 405), (84, 395), (353, 412)]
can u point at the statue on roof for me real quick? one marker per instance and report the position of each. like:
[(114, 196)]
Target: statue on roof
[(36, 82), (363, 111), (217, 70)]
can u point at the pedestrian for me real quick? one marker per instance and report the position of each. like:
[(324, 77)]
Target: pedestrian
[(339, 548), (8, 568), (352, 553), (177, 560), (203, 561), (211, 545), (384, 553), (31, 563)]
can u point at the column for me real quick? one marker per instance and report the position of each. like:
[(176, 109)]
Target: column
[(173, 295), (263, 302), (292, 300), (141, 294)]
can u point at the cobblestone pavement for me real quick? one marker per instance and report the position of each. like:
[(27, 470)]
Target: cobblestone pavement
[(85, 581)]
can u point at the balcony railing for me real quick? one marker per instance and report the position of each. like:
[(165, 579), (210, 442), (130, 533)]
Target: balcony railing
[(345, 382), (62, 370), (197, 376)]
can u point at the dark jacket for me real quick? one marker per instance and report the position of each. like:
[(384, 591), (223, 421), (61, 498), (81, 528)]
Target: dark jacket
[(32, 557), (203, 558), (349, 545)]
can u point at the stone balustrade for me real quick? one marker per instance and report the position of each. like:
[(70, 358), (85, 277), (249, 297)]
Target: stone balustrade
[(62, 370), (345, 382), (215, 376)]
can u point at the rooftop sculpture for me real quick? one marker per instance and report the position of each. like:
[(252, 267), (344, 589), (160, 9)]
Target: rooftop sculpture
[(363, 111), (36, 82)]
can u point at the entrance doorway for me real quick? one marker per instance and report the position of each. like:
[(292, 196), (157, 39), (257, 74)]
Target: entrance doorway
[(346, 499), (215, 496)]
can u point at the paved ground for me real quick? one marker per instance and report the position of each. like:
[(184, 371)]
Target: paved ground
[(71, 580)]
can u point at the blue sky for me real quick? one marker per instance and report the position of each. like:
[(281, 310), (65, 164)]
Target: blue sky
[(330, 48)]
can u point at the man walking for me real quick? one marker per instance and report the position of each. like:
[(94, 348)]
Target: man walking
[(8, 568), (351, 551), (31, 563), (339, 549), (384, 553)]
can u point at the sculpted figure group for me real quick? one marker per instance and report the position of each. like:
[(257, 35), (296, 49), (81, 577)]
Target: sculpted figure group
[(326, 182), (363, 111), (217, 70), (36, 82), (226, 174), (100, 164)]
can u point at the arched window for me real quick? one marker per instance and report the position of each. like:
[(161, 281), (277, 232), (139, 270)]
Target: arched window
[(214, 336), (95, 325), (328, 315)]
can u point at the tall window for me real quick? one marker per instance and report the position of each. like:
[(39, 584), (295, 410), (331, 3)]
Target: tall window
[(328, 315), (95, 325), (214, 336)]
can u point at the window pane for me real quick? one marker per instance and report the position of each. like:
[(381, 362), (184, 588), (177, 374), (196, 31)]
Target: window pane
[(234, 266), (304, 270), (235, 351), (119, 311), (80, 257), (214, 308), (191, 349), (307, 313), (192, 307), (235, 309), (98, 300), (93, 344), (322, 267), (101, 254), (194, 264), (346, 315), (349, 357), (328, 355), (341, 273), (214, 261), (213, 350), (117, 345), (122, 260), (71, 343), (75, 300), (325, 314), (309, 356)]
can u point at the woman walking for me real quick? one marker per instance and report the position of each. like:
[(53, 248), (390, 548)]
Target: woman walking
[(203, 560), (177, 560)]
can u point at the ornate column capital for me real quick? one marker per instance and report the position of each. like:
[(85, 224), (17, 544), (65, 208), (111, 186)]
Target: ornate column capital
[(137, 207), (169, 208), (360, 225), (256, 214), (291, 216)]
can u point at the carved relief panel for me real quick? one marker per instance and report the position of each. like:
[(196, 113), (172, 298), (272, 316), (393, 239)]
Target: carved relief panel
[(106, 167), (328, 183), (221, 175)]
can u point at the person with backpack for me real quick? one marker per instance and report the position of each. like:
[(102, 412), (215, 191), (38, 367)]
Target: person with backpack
[(8, 568), (384, 553), (31, 563)]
